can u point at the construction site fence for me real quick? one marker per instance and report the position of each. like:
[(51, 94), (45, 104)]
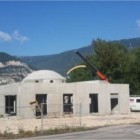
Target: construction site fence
[(44, 116)]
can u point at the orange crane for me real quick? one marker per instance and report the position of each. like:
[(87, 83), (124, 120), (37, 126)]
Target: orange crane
[(92, 67)]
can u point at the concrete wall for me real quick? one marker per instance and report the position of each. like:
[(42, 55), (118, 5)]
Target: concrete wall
[(26, 92), (10, 89), (103, 90), (81, 92)]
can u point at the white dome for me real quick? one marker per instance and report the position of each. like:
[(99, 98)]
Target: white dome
[(44, 75)]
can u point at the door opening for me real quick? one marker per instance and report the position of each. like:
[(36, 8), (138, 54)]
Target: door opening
[(68, 103), (114, 102), (94, 103), (41, 99), (10, 105)]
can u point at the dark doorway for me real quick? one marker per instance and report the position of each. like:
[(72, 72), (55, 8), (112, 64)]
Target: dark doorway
[(68, 103), (10, 105), (114, 102), (94, 103), (41, 99)]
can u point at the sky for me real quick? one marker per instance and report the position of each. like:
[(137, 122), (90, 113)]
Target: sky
[(30, 28)]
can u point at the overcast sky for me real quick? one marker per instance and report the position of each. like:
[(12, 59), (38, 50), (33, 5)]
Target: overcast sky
[(44, 28)]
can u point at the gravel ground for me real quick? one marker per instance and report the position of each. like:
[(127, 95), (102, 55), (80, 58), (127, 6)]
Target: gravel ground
[(14, 125)]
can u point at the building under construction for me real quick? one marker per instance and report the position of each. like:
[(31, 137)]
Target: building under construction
[(49, 88)]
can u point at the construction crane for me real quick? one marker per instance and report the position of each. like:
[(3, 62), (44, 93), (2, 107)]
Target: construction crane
[(93, 67)]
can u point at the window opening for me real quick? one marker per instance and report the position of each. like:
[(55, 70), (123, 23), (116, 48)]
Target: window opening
[(68, 103), (114, 102), (138, 100), (41, 99), (10, 105), (94, 103)]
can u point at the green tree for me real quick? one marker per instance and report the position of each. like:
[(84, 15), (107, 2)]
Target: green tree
[(133, 71), (111, 59), (108, 57), (118, 63), (82, 74)]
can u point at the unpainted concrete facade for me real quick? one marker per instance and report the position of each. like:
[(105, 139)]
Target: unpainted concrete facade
[(108, 98)]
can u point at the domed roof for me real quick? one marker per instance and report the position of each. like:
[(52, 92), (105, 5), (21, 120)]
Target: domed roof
[(44, 75)]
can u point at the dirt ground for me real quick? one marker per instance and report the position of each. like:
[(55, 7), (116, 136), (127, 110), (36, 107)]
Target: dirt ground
[(14, 124)]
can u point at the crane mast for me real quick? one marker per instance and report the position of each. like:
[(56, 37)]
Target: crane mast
[(92, 67)]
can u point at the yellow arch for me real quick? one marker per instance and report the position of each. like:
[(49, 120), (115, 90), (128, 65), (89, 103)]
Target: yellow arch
[(76, 67)]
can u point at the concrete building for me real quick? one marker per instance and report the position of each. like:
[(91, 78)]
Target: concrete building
[(58, 97)]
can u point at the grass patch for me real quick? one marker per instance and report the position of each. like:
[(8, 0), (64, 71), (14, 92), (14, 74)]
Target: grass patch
[(25, 134)]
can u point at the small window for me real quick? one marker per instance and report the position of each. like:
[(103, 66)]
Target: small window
[(131, 100), (51, 81), (138, 100), (36, 81)]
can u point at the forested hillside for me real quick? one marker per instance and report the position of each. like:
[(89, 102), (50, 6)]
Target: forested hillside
[(62, 62), (118, 60)]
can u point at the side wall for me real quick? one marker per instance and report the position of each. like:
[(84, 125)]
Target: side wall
[(81, 96), (26, 93), (6, 90)]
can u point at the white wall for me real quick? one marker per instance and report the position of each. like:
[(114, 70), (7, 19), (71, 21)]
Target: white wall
[(26, 92)]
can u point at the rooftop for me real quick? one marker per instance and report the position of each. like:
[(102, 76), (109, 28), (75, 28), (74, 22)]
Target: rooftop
[(44, 75)]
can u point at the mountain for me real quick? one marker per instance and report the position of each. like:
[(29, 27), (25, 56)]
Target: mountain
[(131, 43), (62, 62), (12, 69)]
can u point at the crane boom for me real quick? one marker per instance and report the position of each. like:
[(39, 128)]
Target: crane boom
[(92, 67)]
